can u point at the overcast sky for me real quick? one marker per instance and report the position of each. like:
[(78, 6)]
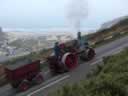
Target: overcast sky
[(39, 14)]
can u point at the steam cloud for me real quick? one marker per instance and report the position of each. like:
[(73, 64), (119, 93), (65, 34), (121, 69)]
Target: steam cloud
[(77, 12)]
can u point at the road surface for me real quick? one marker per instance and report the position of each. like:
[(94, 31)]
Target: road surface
[(70, 77)]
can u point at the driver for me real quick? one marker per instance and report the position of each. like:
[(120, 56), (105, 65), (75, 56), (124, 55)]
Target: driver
[(81, 42)]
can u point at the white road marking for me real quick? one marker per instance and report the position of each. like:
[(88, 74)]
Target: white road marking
[(52, 79), (96, 62), (50, 84)]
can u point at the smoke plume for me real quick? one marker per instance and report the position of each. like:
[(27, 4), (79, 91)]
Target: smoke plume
[(77, 12)]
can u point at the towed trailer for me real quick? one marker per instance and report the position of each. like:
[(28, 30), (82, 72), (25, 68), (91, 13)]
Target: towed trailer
[(24, 74)]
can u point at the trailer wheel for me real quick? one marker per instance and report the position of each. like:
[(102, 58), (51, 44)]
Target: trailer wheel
[(70, 61), (15, 84), (38, 79), (24, 85)]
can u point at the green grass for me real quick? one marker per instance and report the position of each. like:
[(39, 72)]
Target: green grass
[(110, 79)]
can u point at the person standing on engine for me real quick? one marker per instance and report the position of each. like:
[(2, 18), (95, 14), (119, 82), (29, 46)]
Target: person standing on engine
[(79, 38), (57, 50), (82, 42)]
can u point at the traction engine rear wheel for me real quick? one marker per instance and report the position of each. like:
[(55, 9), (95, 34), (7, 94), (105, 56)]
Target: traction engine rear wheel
[(70, 61)]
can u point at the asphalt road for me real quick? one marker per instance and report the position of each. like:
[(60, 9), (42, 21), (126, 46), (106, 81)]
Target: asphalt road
[(70, 77)]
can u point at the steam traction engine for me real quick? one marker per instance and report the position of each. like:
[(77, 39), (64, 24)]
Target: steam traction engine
[(70, 52)]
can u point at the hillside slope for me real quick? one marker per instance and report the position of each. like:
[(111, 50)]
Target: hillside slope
[(118, 27)]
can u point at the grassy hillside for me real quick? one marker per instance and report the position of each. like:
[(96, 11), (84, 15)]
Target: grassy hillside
[(116, 31), (108, 79)]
